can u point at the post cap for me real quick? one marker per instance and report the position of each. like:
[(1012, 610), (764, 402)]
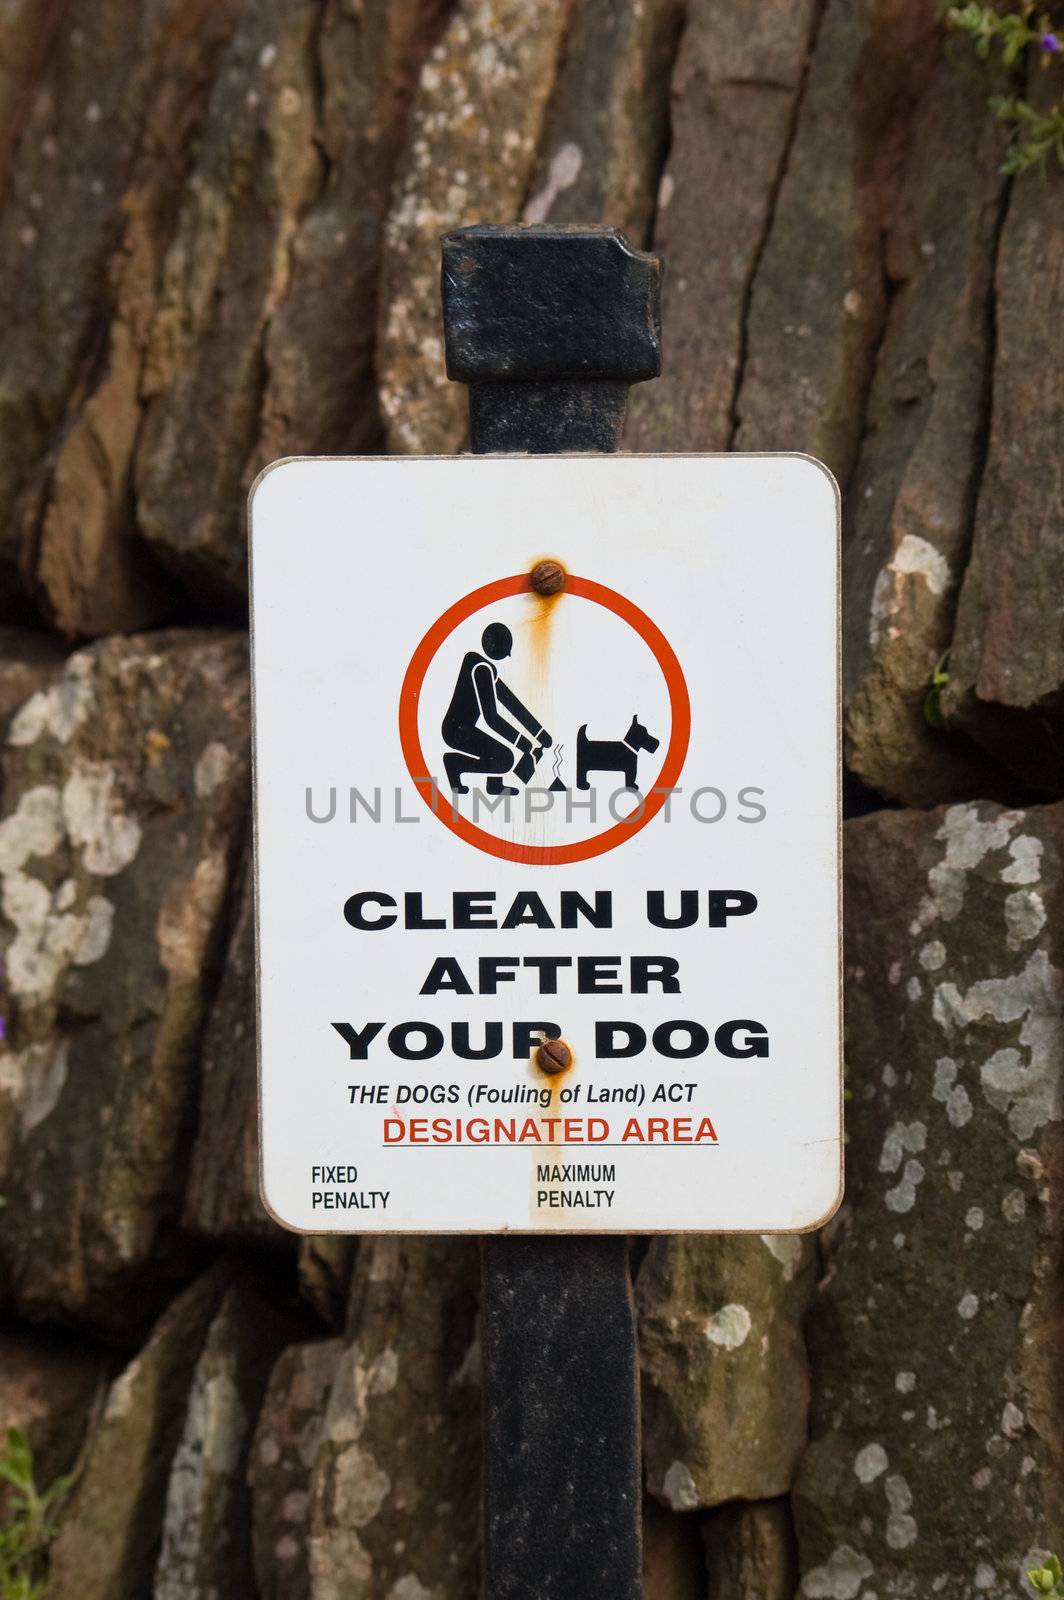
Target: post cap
[(541, 303)]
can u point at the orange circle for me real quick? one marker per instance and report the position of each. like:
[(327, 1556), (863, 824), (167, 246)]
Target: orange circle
[(552, 855)]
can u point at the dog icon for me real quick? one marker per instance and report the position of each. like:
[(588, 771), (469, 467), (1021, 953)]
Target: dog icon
[(612, 755)]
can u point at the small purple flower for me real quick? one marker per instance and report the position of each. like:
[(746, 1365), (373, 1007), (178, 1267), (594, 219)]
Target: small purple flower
[(1050, 44)]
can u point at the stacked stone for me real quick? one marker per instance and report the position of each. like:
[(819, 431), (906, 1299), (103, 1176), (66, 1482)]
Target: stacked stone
[(219, 244)]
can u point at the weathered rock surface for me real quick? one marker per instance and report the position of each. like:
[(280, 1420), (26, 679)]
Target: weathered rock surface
[(750, 1553), (395, 1496), (60, 228), (222, 1195), (282, 1462), (673, 1565), (937, 1420), (734, 95), (326, 1261), (911, 507), (222, 1198), (219, 230), (817, 302), (139, 755), (319, 351), (206, 1540), (94, 571), (255, 172), (27, 29), (477, 119), (725, 1377), (1007, 662), (608, 121), (108, 1541), (28, 662), (48, 1387)]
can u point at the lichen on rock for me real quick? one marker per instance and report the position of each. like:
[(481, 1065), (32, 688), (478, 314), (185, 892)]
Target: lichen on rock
[(283, 1456), (106, 967), (936, 1422), (206, 1531), (394, 1496), (719, 1318), (477, 119), (107, 1544)]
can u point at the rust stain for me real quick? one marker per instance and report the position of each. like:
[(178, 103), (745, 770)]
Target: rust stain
[(535, 672), (544, 1218), (539, 631), (543, 604)]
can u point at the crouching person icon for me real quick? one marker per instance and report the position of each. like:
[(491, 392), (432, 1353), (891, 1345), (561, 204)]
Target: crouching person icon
[(482, 728)]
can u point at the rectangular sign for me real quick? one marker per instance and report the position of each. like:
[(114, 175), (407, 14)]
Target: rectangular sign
[(547, 875)]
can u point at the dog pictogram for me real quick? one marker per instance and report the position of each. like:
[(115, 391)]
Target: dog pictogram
[(613, 755)]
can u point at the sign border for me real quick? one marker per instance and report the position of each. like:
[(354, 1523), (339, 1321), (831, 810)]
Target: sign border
[(550, 855), (738, 459)]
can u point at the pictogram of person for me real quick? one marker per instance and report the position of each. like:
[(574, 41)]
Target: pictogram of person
[(479, 737)]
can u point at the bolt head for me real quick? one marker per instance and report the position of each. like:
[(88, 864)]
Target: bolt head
[(553, 1056), (547, 577)]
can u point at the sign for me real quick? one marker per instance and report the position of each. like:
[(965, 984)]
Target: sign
[(602, 811)]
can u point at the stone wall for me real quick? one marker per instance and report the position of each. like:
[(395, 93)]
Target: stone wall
[(218, 244)]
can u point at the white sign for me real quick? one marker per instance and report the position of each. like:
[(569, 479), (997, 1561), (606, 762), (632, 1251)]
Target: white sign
[(487, 818)]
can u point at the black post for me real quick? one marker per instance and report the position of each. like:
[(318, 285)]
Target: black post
[(549, 327)]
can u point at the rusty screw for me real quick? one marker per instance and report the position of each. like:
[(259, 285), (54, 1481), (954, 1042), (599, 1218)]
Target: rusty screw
[(553, 1056), (547, 577)]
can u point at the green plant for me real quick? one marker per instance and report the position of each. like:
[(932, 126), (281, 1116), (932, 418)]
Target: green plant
[(933, 701), (1018, 31), (1037, 134), (1048, 1579), (28, 1527)]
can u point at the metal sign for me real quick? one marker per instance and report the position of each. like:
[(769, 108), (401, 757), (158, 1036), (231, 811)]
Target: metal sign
[(547, 843)]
